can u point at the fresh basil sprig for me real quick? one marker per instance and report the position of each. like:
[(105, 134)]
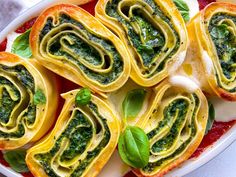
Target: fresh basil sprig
[(133, 103), (211, 117), (39, 97), (183, 8), (83, 97), (16, 160), (21, 46), (133, 147), (133, 143)]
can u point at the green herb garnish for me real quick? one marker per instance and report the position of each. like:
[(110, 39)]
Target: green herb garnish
[(83, 97), (133, 147), (133, 143), (21, 46), (183, 9), (133, 103), (211, 117), (16, 160)]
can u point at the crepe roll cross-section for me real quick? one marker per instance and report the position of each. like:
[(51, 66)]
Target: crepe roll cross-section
[(81, 142), (154, 33), (28, 101), (213, 35), (175, 125), (72, 43)]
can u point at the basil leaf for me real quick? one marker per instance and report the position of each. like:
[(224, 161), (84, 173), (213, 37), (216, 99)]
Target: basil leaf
[(21, 46), (220, 32), (83, 97), (133, 147), (16, 160), (133, 103), (39, 97), (183, 8), (211, 117)]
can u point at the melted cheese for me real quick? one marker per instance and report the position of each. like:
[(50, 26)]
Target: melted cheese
[(224, 110), (184, 82)]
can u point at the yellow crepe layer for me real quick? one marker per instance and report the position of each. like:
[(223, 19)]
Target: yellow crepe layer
[(212, 34), (72, 43), (28, 101), (81, 142), (175, 125), (154, 33)]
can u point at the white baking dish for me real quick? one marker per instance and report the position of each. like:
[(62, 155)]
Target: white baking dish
[(185, 168)]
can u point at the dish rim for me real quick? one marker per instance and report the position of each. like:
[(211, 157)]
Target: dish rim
[(188, 166)]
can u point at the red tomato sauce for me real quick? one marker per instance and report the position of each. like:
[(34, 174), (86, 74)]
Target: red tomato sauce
[(27, 25), (3, 45), (218, 129), (203, 3), (90, 7), (130, 174)]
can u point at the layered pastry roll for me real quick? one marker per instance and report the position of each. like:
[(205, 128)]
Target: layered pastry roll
[(175, 125), (154, 33), (213, 37), (81, 142), (28, 101), (72, 43)]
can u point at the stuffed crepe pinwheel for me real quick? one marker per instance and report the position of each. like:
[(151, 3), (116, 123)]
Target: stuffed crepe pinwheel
[(28, 101), (154, 33), (81, 142), (175, 125), (72, 43), (213, 37)]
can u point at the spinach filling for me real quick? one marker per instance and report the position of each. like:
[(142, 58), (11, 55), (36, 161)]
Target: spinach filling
[(7, 104), (79, 133), (83, 45), (225, 44), (166, 142), (148, 40)]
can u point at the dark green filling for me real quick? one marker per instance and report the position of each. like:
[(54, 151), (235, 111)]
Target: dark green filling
[(85, 51), (154, 38), (79, 138), (21, 74), (6, 103), (160, 145), (169, 113), (225, 44)]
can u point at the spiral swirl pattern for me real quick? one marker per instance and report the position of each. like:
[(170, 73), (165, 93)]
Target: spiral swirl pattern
[(72, 43), (175, 126), (215, 30), (21, 116), (152, 30), (81, 142)]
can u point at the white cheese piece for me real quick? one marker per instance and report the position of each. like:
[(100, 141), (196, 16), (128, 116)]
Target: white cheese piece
[(224, 110), (115, 167), (10, 39), (184, 82)]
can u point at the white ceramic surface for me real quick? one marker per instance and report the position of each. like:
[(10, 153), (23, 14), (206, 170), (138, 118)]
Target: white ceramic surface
[(185, 168)]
